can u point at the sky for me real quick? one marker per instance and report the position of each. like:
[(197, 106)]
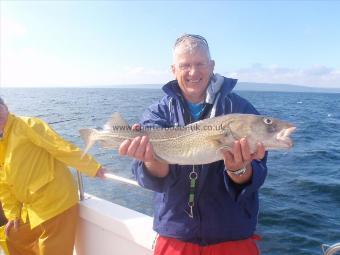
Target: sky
[(102, 43)]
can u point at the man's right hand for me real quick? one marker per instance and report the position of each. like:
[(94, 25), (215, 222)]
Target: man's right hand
[(141, 149), (11, 224)]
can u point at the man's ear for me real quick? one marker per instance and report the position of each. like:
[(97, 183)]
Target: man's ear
[(212, 63), (173, 69)]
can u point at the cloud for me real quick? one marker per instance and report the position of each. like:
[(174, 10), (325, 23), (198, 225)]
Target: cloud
[(12, 30), (314, 76), (146, 75), (31, 67), (319, 71)]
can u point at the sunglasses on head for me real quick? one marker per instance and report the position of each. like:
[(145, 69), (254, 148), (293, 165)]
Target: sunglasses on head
[(191, 36)]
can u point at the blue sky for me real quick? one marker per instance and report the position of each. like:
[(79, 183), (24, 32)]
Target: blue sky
[(98, 43)]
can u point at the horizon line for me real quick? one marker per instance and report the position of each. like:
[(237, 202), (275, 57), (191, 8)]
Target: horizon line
[(162, 84)]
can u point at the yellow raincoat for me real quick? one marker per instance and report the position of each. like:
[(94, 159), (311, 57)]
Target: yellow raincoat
[(34, 173)]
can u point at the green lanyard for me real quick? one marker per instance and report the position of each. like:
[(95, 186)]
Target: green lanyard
[(192, 177)]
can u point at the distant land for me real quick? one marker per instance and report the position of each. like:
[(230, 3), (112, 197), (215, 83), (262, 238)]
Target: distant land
[(250, 86), (241, 86)]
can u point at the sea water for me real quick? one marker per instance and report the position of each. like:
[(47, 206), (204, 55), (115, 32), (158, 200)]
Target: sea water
[(300, 199)]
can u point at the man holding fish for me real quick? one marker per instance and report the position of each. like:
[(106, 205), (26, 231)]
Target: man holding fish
[(205, 175), (210, 208)]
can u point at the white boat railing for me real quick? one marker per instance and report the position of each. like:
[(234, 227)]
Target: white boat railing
[(107, 175), (121, 179), (80, 186)]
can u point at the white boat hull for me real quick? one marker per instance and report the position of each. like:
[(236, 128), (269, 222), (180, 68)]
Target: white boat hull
[(106, 228)]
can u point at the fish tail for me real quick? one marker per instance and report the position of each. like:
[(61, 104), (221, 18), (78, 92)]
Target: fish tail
[(88, 136)]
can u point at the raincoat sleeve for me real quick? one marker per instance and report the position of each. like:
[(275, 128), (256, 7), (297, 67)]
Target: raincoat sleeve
[(155, 116), (10, 205), (45, 137), (146, 180), (240, 192)]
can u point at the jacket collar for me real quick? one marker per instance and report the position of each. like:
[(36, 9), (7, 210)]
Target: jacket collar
[(172, 88)]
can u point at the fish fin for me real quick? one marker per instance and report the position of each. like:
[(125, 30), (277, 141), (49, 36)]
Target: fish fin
[(216, 139), (88, 136), (225, 147), (116, 121), (160, 159), (222, 141)]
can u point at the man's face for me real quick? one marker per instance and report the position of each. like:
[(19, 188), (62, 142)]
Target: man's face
[(193, 70), (3, 116)]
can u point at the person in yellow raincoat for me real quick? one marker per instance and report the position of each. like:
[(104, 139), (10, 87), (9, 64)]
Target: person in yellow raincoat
[(37, 191)]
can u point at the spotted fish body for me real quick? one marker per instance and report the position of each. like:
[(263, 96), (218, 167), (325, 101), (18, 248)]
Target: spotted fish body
[(199, 142)]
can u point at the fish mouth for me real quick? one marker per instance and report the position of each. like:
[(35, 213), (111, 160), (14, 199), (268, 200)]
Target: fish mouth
[(283, 137)]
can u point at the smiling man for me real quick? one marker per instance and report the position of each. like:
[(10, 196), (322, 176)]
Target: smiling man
[(200, 209), (192, 68)]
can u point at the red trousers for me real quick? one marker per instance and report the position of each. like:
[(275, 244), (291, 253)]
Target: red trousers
[(171, 246)]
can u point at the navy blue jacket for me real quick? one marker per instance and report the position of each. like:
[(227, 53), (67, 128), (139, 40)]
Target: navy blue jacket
[(223, 210)]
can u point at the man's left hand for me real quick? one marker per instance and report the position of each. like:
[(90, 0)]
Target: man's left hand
[(240, 155)]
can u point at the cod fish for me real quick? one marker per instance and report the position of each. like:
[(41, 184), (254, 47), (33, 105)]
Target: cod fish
[(199, 142)]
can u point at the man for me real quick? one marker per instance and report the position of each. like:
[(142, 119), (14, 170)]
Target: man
[(37, 190), (202, 209)]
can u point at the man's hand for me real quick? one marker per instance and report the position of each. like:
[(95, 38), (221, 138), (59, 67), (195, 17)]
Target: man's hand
[(101, 173), (240, 157), (141, 149), (11, 224)]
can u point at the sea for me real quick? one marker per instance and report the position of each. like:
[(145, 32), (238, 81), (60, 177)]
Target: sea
[(300, 199)]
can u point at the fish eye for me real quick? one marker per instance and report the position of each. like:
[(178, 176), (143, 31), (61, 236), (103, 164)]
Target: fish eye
[(267, 121)]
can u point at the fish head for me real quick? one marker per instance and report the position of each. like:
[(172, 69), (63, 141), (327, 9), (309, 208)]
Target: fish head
[(272, 133)]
